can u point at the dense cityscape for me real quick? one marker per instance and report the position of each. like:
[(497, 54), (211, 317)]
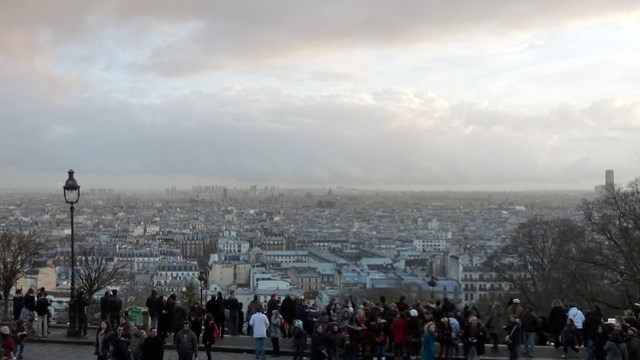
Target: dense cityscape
[(313, 243)]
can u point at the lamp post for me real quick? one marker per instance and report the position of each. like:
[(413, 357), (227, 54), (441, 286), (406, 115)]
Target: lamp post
[(71, 197), (433, 282), (203, 279)]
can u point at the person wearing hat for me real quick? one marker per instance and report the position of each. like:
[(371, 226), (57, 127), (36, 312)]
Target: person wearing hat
[(515, 309), (299, 340), (8, 346)]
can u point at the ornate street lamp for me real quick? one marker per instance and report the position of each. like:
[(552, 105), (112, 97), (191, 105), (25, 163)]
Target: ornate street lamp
[(433, 282), (71, 196)]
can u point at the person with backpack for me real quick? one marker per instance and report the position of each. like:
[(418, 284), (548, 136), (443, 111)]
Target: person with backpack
[(209, 334)]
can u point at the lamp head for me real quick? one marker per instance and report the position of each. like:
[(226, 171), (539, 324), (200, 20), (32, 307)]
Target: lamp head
[(71, 189)]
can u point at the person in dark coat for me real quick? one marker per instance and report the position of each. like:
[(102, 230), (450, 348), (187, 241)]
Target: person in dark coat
[(18, 304), (122, 348), (557, 321), (104, 306), (593, 319), (474, 337), (272, 304), (115, 309), (180, 316), (514, 337), (153, 346), (152, 308), (288, 309), (233, 305), (218, 313), (81, 307), (208, 335), (318, 348), (163, 317)]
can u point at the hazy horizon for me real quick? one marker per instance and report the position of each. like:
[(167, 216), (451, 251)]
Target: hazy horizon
[(461, 96)]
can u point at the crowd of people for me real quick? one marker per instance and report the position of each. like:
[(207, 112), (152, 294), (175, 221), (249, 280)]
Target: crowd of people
[(343, 330), (31, 316)]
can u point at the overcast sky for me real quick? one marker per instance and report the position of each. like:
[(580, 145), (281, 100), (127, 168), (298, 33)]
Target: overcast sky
[(471, 94)]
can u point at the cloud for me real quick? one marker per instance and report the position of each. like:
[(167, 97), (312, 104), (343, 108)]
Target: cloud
[(171, 38), (354, 93), (389, 137)]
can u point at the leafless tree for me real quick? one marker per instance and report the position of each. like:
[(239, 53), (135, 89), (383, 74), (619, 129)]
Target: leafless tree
[(613, 220), (96, 269), (540, 261), (17, 251)]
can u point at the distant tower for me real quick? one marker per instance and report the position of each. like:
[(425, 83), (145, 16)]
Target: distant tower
[(608, 180)]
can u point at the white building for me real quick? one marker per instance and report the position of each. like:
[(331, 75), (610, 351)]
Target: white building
[(233, 245)]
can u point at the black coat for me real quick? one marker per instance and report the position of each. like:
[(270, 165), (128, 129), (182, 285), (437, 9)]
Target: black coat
[(153, 348), (477, 338), (152, 305), (557, 319)]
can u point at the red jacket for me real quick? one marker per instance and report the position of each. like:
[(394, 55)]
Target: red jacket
[(8, 346), (399, 330)]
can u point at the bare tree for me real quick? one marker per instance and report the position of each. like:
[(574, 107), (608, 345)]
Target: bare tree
[(96, 269), (17, 251), (540, 263), (613, 220)]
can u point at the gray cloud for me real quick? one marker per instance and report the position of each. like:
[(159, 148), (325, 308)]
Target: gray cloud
[(114, 90), (248, 135)]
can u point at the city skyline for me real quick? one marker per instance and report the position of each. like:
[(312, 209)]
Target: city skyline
[(431, 95)]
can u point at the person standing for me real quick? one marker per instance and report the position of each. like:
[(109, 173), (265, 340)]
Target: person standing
[(288, 309), (186, 343), (272, 304), (105, 303), (299, 340), (42, 310), (577, 316), (152, 308), (153, 346), (557, 321), (429, 342), (474, 337), (514, 338), (18, 304), (30, 304), (209, 334), (260, 323), (115, 309), (216, 308), (20, 331), (137, 340), (82, 304), (275, 332), (233, 306), (530, 323), (8, 345), (251, 309), (102, 348), (494, 325)]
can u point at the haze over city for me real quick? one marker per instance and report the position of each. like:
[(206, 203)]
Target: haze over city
[(493, 95)]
